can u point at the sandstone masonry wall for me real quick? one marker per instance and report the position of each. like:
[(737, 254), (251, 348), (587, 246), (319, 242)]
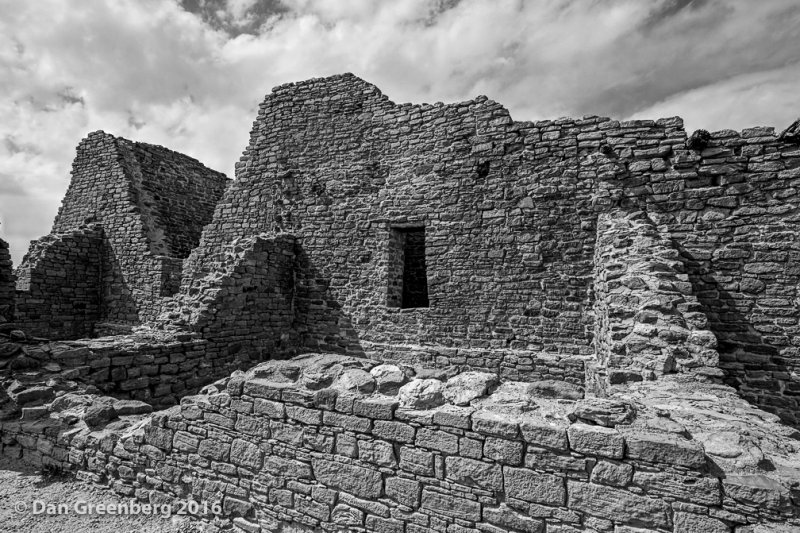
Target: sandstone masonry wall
[(510, 212), (276, 456), (339, 166), (58, 285), (648, 322), (241, 314), (152, 204), (7, 283)]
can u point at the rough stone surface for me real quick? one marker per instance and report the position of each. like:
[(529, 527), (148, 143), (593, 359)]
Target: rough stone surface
[(463, 388), (389, 378), (333, 457), (421, 394)]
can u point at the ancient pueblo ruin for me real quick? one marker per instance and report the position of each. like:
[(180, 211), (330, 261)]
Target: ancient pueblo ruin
[(414, 318)]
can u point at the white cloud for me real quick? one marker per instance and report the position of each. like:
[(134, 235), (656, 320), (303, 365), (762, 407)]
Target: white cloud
[(767, 98), (151, 71)]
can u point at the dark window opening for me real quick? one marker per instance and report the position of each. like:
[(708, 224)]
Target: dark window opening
[(408, 275)]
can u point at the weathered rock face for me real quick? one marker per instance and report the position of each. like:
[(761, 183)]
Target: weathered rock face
[(422, 394), (463, 388)]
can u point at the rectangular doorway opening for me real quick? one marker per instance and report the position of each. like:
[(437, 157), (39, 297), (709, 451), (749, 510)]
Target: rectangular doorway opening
[(408, 275)]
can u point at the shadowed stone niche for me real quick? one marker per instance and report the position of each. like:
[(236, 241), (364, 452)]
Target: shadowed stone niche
[(408, 277)]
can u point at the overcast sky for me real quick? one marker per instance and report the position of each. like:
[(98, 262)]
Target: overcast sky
[(189, 74)]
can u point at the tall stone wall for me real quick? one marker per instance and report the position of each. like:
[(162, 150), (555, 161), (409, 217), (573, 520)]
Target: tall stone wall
[(152, 204), (7, 283), (729, 202), (510, 212), (58, 285), (507, 217)]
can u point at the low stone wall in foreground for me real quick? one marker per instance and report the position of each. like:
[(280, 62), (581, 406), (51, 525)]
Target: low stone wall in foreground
[(333, 443)]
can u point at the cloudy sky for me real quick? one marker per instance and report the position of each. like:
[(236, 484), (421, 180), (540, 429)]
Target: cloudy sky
[(189, 74)]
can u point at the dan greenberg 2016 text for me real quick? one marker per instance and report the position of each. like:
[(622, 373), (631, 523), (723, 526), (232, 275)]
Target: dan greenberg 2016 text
[(82, 507)]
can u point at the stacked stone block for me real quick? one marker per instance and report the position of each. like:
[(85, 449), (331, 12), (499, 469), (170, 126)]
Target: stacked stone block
[(648, 321), (152, 204), (7, 283), (277, 454), (58, 285)]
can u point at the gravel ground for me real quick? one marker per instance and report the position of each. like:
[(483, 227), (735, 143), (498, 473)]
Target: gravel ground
[(21, 486)]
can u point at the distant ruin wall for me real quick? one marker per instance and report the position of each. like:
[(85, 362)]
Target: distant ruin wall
[(58, 285), (152, 204), (648, 323), (178, 192), (7, 283)]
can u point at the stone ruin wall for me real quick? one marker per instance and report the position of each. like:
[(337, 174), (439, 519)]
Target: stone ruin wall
[(648, 323), (6, 283), (510, 213), (59, 285), (317, 444), (510, 268), (151, 204)]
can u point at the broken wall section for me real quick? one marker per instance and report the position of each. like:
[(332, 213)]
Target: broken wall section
[(7, 283), (176, 193), (647, 320), (730, 202), (152, 204), (245, 299), (58, 285)]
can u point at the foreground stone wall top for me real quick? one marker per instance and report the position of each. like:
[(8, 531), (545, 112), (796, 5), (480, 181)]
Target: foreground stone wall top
[(327, 442)]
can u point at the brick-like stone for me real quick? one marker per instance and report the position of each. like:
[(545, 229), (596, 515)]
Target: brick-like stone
[(532, 486), (596, 440), (617, 505), (664, 448), (404, 491), (487, 476), (437, 440), (503, 450), (394, 431), (451, 506), (246, 454), (357, 480)]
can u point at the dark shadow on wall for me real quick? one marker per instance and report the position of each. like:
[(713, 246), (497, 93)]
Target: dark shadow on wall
[(117, 304), (753, 367), (319, 320)]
